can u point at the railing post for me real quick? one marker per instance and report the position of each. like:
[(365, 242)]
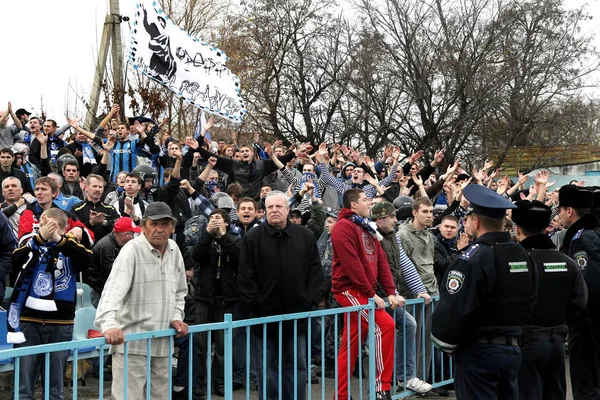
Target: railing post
[(371, 348), (228, 381)]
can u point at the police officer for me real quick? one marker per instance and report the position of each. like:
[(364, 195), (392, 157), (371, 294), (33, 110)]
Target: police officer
[(485, 297), (582, 243), (562, 295)]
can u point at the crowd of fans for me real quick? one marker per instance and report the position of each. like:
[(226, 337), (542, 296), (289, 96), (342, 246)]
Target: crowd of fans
[(104, 181)]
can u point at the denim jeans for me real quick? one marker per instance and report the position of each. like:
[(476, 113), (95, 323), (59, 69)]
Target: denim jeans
[(406, 330), (32, 366), (288, 349), (424, 345)]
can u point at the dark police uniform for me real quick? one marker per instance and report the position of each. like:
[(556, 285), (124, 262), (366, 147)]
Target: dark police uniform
[(582, 243), (486, 295), (562, 296)]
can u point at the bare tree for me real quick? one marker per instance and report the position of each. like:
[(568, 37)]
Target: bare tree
[(545, 62), (297, 58)]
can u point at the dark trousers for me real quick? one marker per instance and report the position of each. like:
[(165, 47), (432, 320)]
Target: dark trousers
[(584, 358), (289, 351), (207, 313), (487, 371), (542, 373), (240, 350)]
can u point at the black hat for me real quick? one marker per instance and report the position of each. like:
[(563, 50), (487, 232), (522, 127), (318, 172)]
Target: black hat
[(22, 111), (158, 210), (574, 196), (296, 211), (462, 177), (486, 202), (531, 215)]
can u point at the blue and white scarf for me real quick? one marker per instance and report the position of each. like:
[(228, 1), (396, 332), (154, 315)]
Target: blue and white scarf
[(88, 153), (305, 177), (366, 223), (46, 276)]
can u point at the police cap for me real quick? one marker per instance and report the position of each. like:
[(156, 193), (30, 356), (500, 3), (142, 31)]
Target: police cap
[(486, 202), (531, 215), (574, 196)]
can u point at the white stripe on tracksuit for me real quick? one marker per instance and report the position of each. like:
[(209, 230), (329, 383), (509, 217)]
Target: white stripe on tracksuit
[(378, 353)]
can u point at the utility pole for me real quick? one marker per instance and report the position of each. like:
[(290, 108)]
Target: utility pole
[(111, 34), (117, 56)]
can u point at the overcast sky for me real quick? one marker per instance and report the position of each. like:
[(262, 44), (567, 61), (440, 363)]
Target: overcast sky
[(49, 44)]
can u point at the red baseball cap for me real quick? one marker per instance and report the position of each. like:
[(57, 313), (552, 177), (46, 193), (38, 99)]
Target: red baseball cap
[(126, 224)]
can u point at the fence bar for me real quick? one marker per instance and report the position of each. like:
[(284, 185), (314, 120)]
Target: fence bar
[(228, 344), (126, 368), (280, 358), (74, 368), (309, 357), (248, 365), (149, 368), (101, 371), (371, 349), (47, 376)]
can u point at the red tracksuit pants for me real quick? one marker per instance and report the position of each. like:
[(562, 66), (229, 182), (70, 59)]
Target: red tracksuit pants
[(384, 344)]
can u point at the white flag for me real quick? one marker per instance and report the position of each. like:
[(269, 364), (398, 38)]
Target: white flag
[(192, 70)]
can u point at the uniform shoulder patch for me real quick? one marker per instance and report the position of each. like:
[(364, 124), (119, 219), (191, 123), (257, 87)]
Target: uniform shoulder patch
[(517, 267), (468, 253), (555, 267), (455, 281), (578, 234), (581, 258)]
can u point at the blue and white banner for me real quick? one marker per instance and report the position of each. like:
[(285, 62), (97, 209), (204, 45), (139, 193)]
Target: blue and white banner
[(191, 69)]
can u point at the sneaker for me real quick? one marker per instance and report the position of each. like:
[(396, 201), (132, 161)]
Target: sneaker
[(418, 386), (383, 395)]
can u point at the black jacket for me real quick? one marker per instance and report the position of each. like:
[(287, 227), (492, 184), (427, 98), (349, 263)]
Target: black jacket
[(562, 294), (105, 251), (582, 243), (490, 289), (249, 175), (85, 168), (178, 200), (8, 242), (442, 258), (82, 211), (209, 272), (280, 270)]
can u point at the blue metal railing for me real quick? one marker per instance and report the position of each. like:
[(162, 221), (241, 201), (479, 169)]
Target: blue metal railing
[(228, 326)]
